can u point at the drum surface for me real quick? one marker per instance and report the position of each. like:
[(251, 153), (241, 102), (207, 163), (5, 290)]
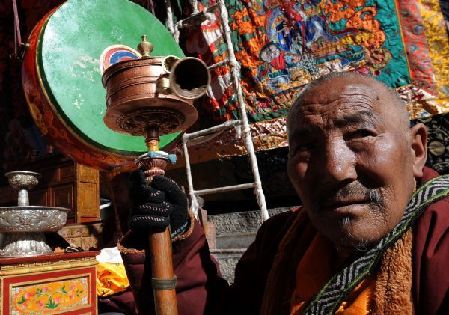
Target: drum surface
[(68, 61)]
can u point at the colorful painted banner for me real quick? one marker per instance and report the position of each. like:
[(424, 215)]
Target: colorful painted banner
[(282, 45)]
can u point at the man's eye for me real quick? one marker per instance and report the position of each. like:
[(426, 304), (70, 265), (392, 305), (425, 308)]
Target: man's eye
[(360, 133), (304, 147)]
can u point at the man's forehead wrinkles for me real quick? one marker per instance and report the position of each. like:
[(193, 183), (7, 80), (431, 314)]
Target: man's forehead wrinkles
[(310, 104), (311, 119), (337, 108), (364, 117), (361, 92), (354, 104), (344, 99), (329, 95)]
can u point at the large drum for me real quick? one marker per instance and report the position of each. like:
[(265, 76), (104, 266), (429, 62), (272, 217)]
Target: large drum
[(62, 77)]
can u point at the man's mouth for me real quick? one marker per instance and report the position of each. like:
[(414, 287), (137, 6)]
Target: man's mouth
[(346, 207)]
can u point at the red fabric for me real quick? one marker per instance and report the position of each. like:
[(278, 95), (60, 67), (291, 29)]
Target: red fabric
[(245, 295), (202, 291), (431, 257), (122, 302)]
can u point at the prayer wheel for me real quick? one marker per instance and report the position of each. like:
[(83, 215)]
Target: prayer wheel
[(150, 96)]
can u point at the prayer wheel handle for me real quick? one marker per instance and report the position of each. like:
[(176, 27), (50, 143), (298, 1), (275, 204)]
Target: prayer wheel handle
[(163, 280)]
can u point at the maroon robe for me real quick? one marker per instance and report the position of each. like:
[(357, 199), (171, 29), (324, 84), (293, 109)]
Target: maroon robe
[(201, 290)]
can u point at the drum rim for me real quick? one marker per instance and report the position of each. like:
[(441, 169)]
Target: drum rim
[(69, 125)]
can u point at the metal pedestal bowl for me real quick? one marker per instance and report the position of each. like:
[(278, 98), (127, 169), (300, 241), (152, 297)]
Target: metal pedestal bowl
[(24, 225)]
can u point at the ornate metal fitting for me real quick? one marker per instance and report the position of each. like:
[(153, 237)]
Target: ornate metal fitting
[(22, 179), (163, 284), (163, 119), (162, 155), (163, 85), (23, 224), (145, 47)]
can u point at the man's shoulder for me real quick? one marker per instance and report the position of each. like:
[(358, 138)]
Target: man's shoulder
[(430, 257), (437, 212), (441, 206), (280, 221), (282, 218), (431, 231), (274, 229), (436, 215)]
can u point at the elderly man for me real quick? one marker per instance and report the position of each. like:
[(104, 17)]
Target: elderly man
[(372, 236)]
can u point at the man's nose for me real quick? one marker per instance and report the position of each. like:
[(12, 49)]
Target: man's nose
[(340, 161)]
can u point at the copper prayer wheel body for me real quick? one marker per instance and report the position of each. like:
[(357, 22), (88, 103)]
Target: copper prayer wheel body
[(142, 94)]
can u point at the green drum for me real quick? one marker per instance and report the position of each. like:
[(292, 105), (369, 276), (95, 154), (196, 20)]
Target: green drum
[(62, 73)]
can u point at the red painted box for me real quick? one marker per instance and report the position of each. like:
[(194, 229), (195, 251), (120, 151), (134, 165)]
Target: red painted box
[(49, 284)]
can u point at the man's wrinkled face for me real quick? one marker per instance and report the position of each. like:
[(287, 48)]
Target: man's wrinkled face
[(350, 161)]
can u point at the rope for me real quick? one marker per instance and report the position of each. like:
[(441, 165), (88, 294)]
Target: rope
[(17, 36), (193, 200), (194, 4), (170, 24), (150, 6)]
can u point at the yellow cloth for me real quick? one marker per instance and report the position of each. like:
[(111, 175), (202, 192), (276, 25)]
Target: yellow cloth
[(437, 39), (111, 278), (314, 270)]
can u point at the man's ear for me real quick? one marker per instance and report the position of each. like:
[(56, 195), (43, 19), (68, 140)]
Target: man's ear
[(418, 134)]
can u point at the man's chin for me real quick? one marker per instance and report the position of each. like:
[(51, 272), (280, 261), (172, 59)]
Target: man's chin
[(353, 243), (355, 233), (352, 237)]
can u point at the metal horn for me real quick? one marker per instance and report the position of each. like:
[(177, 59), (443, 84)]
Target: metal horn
[(188, 77)]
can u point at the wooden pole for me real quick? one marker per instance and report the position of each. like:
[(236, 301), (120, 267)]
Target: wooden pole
[(164, 279)]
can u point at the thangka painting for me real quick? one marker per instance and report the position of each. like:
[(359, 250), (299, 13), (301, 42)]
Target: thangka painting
[(281, 45)]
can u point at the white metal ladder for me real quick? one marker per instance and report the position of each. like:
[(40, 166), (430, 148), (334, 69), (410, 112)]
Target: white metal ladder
[(242, 123)]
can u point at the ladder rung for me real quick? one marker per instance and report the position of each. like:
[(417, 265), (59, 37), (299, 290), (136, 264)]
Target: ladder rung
[(195, 18), (219, 64), (226, 125), (203, 192)]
